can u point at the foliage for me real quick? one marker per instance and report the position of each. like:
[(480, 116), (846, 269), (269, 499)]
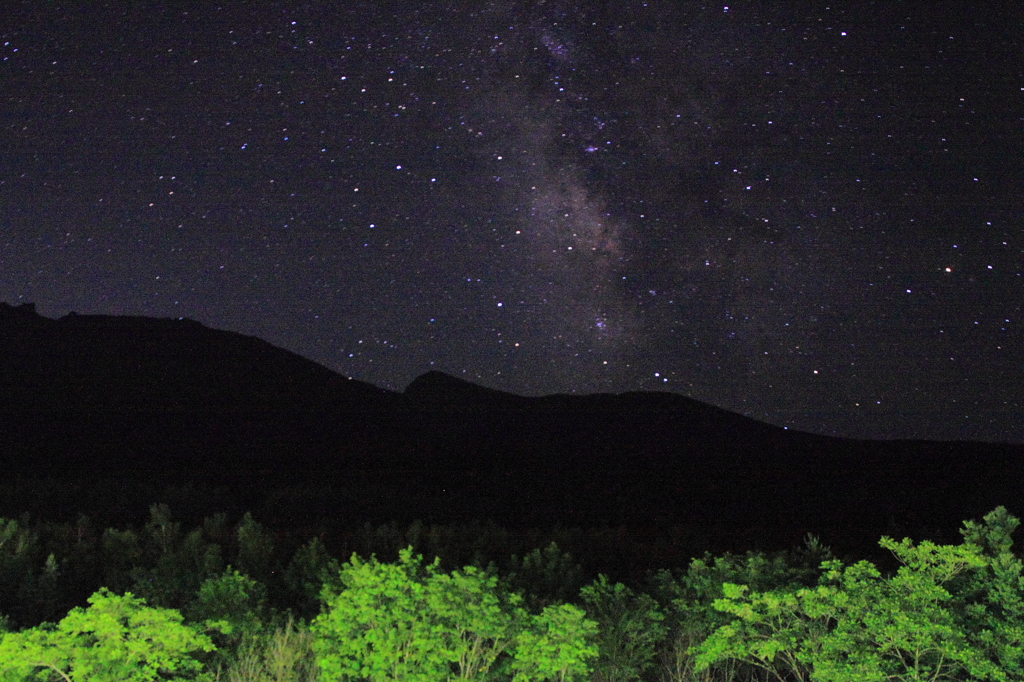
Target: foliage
[(953, 613), (688, 601), (475, 625), (116, 639), (629, 625), (255, 549), (545, 577), (231, 604), (177, 564), (406, 621), (769, 633), (311, 566), (122, 554), (857, 624), (19, 550), (993, 596), (283, 655), (557, 646)]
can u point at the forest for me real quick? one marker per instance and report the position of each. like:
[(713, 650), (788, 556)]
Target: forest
[(229, 599)]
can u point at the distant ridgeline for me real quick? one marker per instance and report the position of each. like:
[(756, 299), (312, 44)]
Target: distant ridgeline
[(97, 363), (25, 311), (175, 402)]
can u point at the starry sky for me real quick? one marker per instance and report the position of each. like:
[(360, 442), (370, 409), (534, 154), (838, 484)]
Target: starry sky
[(807, 212)]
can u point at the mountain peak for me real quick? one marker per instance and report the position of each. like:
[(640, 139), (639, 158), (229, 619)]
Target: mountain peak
[(438, 387)]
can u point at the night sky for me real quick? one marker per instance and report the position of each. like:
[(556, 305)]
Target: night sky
[(811, 213)]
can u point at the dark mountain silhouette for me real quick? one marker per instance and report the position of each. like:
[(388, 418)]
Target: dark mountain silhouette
[(100, 362), (156, 400), (438, 388)]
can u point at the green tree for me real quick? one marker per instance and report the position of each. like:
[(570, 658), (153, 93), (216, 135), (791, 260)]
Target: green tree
[(310, 567), (993, 596), (177, 565), (405, 621), (769, 632), (545, 577), (629, 626), (19, 555), (282, 655), (44, 593), (116, 639), (122, 552), (559, 645), (231, 603), (687, 600), (858, 625), (371, 629), (475, 626), (255, 549)]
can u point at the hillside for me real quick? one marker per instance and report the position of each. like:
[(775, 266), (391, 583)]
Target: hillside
[(174, 402)]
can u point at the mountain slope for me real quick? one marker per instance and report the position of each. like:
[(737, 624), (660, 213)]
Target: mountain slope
[(99, 362), (176, 402)]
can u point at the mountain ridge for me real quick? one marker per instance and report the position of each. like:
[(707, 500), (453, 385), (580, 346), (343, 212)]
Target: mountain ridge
[(175, 401), (124, 362), (442, 388)]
